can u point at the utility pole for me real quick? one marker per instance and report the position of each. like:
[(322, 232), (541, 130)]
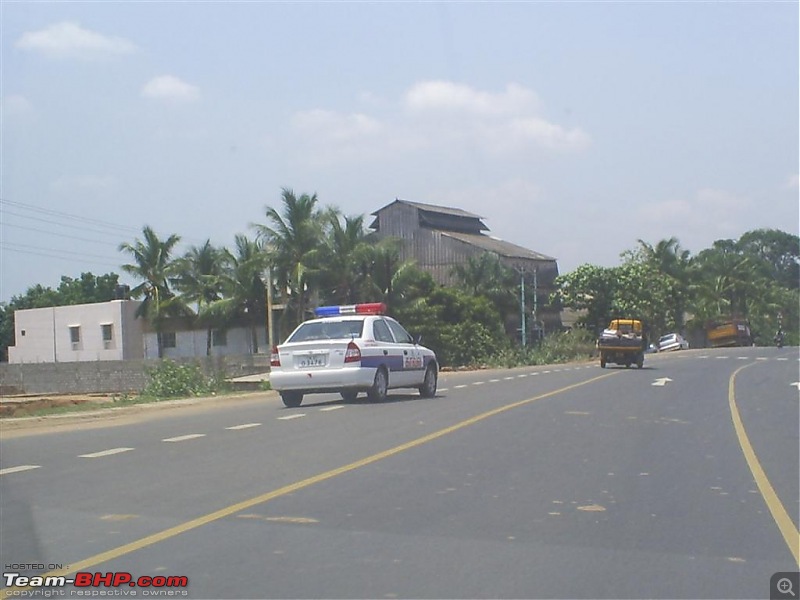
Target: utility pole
[(270, 337), (536, 303), (522, 307)]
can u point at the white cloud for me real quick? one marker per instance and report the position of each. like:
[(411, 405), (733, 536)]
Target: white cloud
[(16, 105), (448, 96), (337, 127), (171, 89), (441, 117), (70, 40)]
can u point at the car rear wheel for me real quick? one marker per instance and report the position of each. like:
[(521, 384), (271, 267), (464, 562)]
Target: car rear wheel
[(377, 393), (292, 399), (428, 387)]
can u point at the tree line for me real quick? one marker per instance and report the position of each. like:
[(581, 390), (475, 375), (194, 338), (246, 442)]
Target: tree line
[(316, 255)]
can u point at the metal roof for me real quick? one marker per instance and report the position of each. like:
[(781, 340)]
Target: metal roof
[(445, 210), (498, 246)]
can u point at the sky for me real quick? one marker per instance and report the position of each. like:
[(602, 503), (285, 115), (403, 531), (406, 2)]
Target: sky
[(574, 129)]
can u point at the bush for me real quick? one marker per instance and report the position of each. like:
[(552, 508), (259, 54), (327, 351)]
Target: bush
[(576, 344), (172, 380)]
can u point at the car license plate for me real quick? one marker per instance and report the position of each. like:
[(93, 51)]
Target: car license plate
[(311, 360)]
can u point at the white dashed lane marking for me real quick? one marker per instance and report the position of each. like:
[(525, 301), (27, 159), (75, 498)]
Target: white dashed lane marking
[(244, 426), (183, 438), (330, 408), (110, 452), (18, 469), (290, 417)]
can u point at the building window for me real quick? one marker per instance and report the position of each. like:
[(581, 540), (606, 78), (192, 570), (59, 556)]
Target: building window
[(108, 335), (219, 337), (168, 339), (22, 332), (75, 336)]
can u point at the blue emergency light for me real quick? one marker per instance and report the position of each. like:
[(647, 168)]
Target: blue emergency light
[(368, 308)]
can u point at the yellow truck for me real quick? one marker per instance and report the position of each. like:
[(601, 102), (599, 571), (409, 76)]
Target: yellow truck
[(729, 332), (623, 342)]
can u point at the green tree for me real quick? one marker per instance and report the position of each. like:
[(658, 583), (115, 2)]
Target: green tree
[(87, 289), (591, 289), (462, 329), (198, 275), (245, 290), (484, 275), (779, 251), (668, 259), (293, 238), (345, 263), (153, 264)]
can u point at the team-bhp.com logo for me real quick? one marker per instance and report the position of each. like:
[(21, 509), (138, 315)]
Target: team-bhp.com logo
[(92, 584)]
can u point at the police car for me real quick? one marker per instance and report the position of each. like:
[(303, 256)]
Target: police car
[(351, 349)]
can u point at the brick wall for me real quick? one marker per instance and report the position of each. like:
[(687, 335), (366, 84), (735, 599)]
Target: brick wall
[(111, 376)]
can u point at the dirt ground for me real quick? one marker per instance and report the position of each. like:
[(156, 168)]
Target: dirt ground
[(24, 406)]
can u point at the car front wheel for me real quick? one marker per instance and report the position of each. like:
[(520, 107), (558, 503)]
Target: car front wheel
[(377, 393), (428, 387)]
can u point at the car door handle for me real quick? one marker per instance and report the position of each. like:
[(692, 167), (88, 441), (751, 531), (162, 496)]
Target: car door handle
[(385, 352), (405, 352)]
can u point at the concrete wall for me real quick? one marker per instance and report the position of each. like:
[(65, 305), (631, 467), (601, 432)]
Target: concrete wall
[(110, 376)]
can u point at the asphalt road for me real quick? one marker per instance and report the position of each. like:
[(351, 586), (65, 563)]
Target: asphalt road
[(680, 480)]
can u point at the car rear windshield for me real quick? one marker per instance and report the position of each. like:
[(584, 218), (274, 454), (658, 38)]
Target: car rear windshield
[(328, 330)]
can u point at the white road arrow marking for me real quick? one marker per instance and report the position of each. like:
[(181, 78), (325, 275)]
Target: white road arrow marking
[(661, 382), (796, 384)]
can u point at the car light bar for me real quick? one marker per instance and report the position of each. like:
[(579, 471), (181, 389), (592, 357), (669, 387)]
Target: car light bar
[(369, 308)]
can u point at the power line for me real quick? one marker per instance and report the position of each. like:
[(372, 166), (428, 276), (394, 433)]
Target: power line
[(65, 215), (55, 253), (73, 221), (64, 235)]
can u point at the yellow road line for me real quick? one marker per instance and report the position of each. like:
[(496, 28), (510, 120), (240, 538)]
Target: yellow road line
[(782, 519), (166, 534)]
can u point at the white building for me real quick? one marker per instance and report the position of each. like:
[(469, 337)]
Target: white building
[(81, 332), (111, 331), (186, 342)]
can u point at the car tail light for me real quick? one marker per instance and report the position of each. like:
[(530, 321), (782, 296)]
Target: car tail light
[(353, 353), (275, 358)]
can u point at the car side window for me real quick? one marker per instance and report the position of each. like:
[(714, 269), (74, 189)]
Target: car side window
[(381, 331), (400, 334)]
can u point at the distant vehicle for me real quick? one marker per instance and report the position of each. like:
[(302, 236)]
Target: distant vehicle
[(623, 342), (351, 349), (778, 339), (729, 332), (672, 341)]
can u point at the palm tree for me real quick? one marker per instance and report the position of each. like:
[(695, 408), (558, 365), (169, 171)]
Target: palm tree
[(153, 265), (293, 238), (199, 277), (346, 261), (668, 258), (245, 291)]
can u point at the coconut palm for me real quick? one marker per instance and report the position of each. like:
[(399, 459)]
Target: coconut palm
[(294, 239), (199, 278), (673, 262), (245, 290), (152, 263), (347, 259)]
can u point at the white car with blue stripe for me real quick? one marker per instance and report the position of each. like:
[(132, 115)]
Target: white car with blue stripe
[(351, 349)]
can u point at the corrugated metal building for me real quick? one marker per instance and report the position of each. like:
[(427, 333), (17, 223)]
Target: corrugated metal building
[(439, 237)]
